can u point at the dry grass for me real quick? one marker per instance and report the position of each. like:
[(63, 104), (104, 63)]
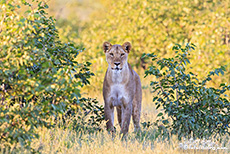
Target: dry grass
[(67, 141), (59, 140)]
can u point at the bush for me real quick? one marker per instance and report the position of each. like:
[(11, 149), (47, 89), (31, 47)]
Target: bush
[(190, 107), (40, 76), (88, 118)]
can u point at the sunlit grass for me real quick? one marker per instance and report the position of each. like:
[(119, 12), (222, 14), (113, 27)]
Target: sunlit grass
[(65, 140)]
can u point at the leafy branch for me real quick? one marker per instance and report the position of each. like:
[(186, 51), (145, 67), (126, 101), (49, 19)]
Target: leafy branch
[(192, 106)]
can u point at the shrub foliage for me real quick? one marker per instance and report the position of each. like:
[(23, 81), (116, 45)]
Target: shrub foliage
[(189, 106), (40, 76)]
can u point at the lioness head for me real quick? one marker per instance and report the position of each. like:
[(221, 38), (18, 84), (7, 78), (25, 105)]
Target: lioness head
[(116, 55)]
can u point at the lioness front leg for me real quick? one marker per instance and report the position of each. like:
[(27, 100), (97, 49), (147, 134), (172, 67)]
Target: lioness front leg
[(126, 116), (136, 113), (109, 116), (119, 115)]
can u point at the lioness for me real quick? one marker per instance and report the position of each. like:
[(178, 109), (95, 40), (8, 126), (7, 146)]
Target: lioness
[(121, 88)]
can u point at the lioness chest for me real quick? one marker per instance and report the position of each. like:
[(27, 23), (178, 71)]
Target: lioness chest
[(118, 94), (118, 89)]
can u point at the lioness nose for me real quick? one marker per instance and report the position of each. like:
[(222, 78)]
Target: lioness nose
[(117, 63)]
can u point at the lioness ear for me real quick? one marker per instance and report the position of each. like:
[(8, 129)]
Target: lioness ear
[(106, 46), (127, 47)]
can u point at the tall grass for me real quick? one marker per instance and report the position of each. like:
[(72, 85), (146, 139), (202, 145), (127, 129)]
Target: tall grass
[(62, 139)]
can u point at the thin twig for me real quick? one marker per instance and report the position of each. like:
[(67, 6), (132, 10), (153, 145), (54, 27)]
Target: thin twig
[(176, 86)]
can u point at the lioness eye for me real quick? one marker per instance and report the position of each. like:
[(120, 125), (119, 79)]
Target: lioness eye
[(122, 54)]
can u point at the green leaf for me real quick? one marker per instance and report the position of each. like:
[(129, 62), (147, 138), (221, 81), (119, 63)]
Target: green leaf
[(159, 114)]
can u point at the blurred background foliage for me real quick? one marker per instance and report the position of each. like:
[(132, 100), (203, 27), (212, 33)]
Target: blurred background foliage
[(151, 26)]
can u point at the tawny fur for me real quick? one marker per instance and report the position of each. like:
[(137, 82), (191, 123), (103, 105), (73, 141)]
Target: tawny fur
[(121, 88)]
